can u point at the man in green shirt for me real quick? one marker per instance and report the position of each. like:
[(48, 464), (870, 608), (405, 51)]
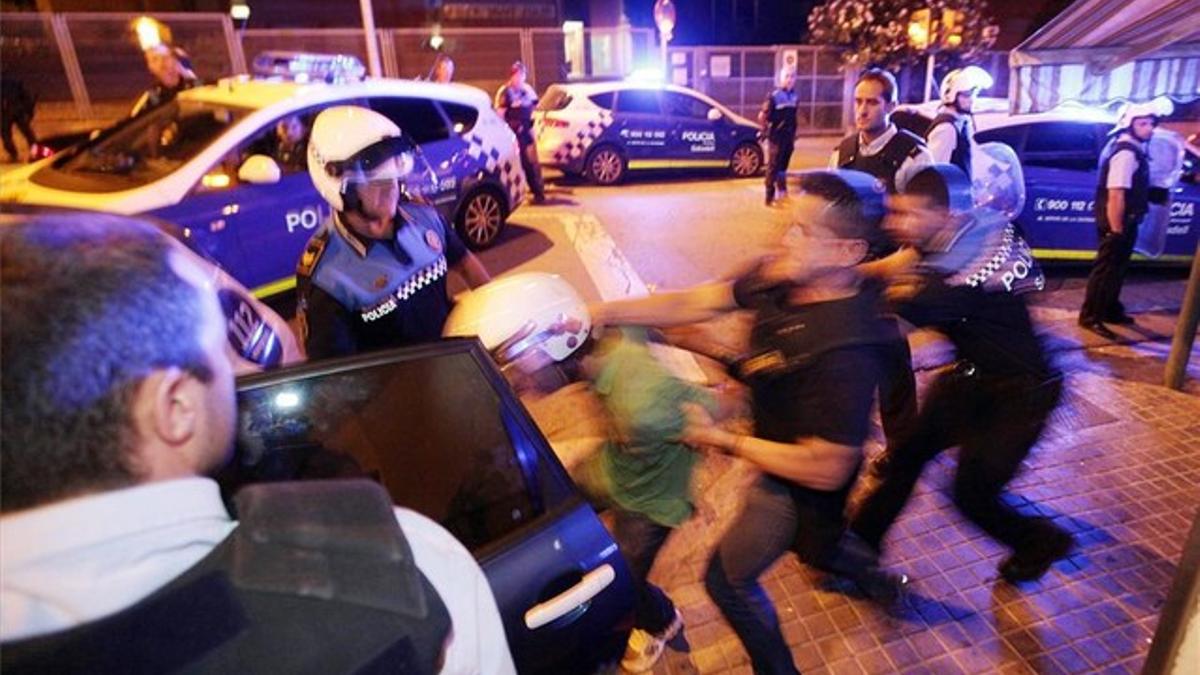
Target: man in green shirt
[(645, 473)]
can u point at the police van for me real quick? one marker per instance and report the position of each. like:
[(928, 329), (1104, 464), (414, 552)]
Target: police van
[(1060, 154), (216, 161), (603, 130)]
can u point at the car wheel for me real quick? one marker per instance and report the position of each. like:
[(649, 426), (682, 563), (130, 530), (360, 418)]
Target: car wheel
[(747, 160), (606, 166), (481, 218)]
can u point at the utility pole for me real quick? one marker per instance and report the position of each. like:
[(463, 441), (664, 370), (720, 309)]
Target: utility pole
[(1185, 329)]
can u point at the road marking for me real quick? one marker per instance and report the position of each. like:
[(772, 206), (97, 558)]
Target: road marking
[(615, 278)]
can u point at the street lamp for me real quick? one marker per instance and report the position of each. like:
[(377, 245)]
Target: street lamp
[(664, 18), (927, 33)]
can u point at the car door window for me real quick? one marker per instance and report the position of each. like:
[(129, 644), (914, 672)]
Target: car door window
[(417, 117), (683, 105), (432, 429), (462, 117), (284, 139), (1013, 136), (1061, 145), (638, 102), (604, 99)]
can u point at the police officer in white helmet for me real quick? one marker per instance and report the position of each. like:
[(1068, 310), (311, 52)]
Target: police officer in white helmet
[(375, 275), (1122, 200), (951, 137)]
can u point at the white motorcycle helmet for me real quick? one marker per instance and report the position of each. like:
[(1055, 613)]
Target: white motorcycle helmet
[(529, 319), (1157, 108), (964, 79), (352, 145)]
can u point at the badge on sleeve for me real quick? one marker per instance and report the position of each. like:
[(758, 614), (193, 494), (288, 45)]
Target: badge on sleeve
[(433, 240)]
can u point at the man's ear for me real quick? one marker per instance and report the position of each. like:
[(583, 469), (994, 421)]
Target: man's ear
[(175, 399), (856, 250)]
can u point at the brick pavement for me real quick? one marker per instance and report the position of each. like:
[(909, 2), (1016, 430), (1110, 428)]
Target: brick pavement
[(1119, 467)]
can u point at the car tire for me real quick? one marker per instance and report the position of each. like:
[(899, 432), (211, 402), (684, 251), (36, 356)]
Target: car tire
[(605, 165), (481, 218), (746, 161)]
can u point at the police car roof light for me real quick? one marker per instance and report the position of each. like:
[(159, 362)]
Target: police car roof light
[(309, 67), (646, 76)]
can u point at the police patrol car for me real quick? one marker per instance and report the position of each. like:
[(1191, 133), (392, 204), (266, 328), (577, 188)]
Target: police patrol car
[(216, 161), (602, 130), (1060, 153)]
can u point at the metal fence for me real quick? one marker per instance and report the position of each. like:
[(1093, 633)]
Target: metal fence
[(741, 78)]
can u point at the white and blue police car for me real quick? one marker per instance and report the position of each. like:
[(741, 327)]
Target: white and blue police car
[(1060, 155), (218, 160), (603, 130)]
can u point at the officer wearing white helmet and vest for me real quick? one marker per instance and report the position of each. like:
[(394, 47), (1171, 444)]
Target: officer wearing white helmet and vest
[(951, 137), (375, 275), (1122, 200)]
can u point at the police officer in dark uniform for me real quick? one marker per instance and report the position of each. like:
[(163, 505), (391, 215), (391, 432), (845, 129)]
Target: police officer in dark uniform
[(1122, 200), (951, 135), (778, 121), (877, 146), (515, 101), (994, 402), (375, 276)]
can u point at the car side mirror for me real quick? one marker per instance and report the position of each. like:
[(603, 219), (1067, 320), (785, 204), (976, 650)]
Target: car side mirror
[(714, 115), (259, 170)]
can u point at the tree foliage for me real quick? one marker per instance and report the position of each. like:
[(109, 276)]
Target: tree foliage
[(879, 32)]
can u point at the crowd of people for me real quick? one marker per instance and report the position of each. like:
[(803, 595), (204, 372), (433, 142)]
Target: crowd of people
[(119, 397)]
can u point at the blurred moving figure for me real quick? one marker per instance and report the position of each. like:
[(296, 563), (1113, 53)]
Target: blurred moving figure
[(994, 401), (813, 370)]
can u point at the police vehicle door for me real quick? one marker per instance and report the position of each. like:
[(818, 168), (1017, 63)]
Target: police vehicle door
[(641, 128), (693, 138), (274, 220)]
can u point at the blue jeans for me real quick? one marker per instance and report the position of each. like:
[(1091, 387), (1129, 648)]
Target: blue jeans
[(640, 539), (763, 531)]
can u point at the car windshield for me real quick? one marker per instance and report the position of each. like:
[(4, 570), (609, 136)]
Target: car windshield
[(145, 148)]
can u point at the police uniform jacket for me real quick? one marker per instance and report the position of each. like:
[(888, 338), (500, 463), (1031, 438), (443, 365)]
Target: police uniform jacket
[(359, 295), (517, 104), (1137, 185), (950, 138), (779, 112), (894, 157)]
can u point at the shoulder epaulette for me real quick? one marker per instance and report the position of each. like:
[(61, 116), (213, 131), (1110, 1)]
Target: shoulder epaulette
[(312, 254)]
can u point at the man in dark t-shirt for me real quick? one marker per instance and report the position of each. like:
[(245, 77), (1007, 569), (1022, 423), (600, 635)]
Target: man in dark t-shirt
[(994, 401), (813, 371)]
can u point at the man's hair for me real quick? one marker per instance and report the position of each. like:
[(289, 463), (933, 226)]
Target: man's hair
[(884, 79), (857, 197), (89, 307), (944, 185)]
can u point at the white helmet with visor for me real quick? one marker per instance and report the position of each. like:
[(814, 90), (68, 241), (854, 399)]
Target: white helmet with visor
[(351, 145)]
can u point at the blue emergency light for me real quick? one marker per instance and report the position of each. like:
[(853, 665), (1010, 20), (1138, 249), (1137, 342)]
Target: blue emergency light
[(308, 67)]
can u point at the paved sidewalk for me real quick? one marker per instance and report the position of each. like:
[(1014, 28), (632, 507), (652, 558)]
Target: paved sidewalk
[(1119, 466)]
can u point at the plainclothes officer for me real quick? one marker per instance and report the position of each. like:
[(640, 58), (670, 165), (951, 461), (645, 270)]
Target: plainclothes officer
[(375, 275), (892, 155), (119, 555), (515, 101), (813, 370), (171, 68), (994, 402), (778, 121), (1122, 199), (877, 146), (951, 136)]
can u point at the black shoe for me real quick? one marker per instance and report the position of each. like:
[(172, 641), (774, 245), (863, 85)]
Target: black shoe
[(1034, 561), (539, 199), (1098, 328), (882, 588), (1120, 320)]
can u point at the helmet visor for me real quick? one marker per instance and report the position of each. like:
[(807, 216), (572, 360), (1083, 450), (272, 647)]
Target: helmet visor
[(388, 159)]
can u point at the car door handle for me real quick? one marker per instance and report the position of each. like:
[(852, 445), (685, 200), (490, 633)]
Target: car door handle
[(560, 605)]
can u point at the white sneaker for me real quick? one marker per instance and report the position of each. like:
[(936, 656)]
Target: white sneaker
[(644, 649)]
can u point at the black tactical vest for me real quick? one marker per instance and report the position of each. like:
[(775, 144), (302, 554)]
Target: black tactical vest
[(961, 157), (883, 164), (1137, 197), (317, 578)]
